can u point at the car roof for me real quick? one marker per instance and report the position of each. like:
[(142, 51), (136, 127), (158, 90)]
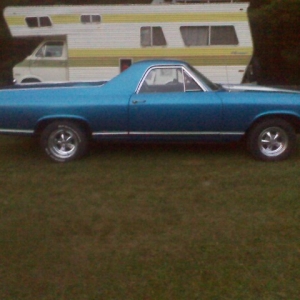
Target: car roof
[(160, 62)]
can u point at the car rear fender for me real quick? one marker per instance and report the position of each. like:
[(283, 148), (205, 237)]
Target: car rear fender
[(45, 121)]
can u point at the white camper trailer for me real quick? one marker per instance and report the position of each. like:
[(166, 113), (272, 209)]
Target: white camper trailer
[(96, 42)]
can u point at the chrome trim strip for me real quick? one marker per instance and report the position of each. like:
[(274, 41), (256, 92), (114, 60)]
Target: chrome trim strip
[(16, 131), (232, 133), (166, 133), (173, 133), (106, 133)]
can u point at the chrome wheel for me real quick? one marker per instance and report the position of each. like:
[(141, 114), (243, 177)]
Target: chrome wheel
[(62, 143), (273, 141)]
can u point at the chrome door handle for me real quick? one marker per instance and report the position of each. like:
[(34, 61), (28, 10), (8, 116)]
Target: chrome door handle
[(138, 101)]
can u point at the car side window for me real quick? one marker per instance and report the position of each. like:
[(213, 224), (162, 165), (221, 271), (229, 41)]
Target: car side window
[(168, 80), (189, 83), (163, 80)]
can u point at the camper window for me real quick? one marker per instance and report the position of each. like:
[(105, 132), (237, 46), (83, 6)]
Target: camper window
[(208, 35), (33, 22), (195, 35), (223, 35), (45, 22), (152, 36), (90, 19)]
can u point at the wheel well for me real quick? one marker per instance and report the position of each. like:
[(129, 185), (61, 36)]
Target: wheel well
[(43, 124), (30, 80), (292, 120)]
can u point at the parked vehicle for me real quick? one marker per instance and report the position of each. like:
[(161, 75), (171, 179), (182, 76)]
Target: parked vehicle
[(97, 42), (153, 101)]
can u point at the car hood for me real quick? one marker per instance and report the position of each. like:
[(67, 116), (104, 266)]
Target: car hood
[(256, 88)]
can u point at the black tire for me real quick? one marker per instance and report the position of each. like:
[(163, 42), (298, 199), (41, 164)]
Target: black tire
[(64, 141), (272, 140), (30, 80)]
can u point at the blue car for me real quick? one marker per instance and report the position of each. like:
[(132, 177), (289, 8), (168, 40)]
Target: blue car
[(161, 100)]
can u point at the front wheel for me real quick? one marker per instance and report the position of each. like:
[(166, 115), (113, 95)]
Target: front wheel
[(272, 140), (30, 80), (64, 141)]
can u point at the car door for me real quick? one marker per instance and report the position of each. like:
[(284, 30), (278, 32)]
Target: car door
[(168, 105)]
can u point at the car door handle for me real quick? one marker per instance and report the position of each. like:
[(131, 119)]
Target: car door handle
[(138, 101)]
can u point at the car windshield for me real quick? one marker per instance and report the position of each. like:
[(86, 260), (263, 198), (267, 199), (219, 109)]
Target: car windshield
[(206, 81)]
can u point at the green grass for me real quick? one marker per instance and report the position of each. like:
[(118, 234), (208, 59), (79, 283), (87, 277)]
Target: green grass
[(148, 222)]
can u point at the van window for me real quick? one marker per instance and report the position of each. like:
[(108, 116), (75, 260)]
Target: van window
[(90, 19), (208, 35), (152, 36), (33, 22), (51, 49)]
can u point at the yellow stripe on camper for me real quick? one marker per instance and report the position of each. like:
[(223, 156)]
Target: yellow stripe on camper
[(139, 18), (56, 19), (101, 62), (15, 20), (195, 56), (65, 19), (174, 17), (161, 52)]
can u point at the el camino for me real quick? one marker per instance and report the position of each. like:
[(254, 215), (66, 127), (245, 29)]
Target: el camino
[(161, 100)]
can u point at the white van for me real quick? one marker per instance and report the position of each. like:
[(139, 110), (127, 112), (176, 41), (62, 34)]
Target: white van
[(96, 42)]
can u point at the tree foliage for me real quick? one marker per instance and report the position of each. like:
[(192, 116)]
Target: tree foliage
[(275, 30)]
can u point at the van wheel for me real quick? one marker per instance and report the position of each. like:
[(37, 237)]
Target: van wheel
[(272, 140), (64, 141), (30, 80)]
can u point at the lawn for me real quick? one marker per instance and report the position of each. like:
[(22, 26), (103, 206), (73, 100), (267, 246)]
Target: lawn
[(148, 222)]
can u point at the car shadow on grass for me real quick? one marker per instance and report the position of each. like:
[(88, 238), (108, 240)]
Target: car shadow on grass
[(161, 148), (24, 148)]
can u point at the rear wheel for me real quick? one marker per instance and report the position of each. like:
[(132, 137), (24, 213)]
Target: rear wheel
[(30, 80), (64, 141), (272, 140)]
